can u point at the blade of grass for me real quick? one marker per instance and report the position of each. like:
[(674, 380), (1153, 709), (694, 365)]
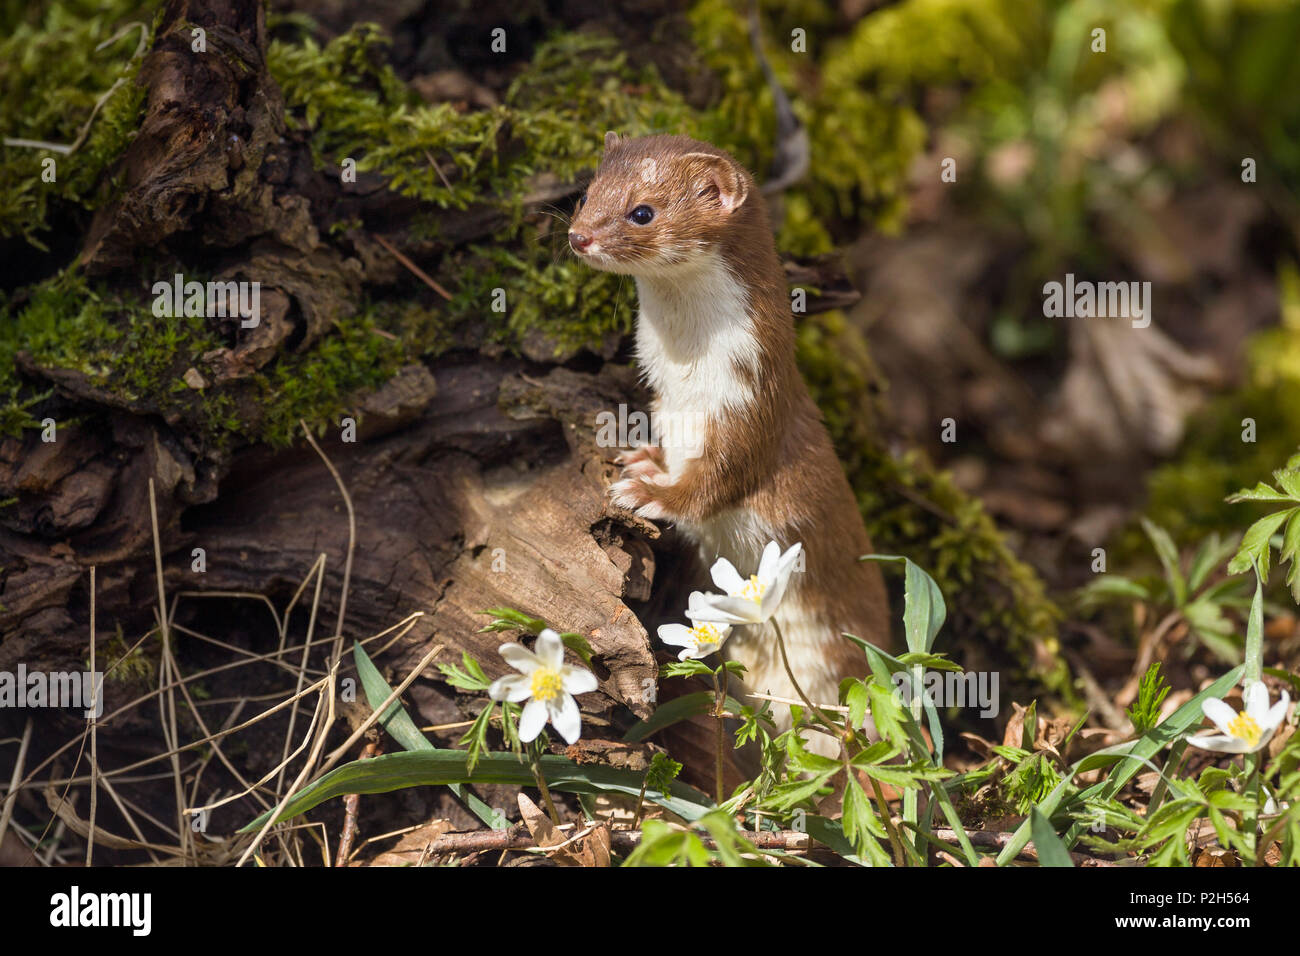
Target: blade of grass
[(402, 728)]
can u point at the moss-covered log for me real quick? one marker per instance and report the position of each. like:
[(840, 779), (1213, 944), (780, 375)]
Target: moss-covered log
[(474, 473)]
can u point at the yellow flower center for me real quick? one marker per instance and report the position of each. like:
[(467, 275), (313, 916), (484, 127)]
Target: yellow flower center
[(1243, 727), (705, 634), (546, 684), (753, 589)]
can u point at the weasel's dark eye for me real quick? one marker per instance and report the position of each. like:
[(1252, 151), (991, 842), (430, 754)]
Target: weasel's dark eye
[(641, 215), (582, 200)]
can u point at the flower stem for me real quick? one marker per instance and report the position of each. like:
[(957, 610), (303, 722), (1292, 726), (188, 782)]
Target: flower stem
[(719, 705), (1250, 821), (887, 819), (780, 642), (541, 785)]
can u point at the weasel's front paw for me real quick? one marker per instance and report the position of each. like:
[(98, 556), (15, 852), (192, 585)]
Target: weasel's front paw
[(644, 461), (639, 495)]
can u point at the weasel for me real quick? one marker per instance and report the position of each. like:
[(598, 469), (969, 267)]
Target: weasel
[(743, 457)]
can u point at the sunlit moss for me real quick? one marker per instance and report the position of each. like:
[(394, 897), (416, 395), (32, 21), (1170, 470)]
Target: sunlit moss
[(54, 73)]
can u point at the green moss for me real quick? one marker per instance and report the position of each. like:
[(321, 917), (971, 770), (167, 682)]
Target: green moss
[(851, 90), (910, 508), (552, 120), (121, 663), (553, 117), (317, 385), (570, 304), (54, 74), (113, 339)]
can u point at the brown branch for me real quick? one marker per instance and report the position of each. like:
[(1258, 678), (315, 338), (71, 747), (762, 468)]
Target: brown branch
[(623, 841), (1000, 840), (351, 803), (419, 273)]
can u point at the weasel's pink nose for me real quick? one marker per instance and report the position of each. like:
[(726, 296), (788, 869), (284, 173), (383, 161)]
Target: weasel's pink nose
[(578, 241)]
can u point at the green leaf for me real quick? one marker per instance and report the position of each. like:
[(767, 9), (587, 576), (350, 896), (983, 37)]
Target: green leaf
[(1261, 492), (427, 768), (1145, 711), (686, 668), (856, 699), (670, 712), (578, 644), (1132, 756), (1289, 481), (924, 609), (860, 823), (1051, 851), (475, 739), (905, 777), (1255, 635), (735, 667), (878, 752), (661, 773), (508, 619), (887, 714), (931, 662), (402, 728), (1255, 544), (1106, 588), (1212, 552), (1167, 551), (1291, 555), (662, 846), (470, 678), (1172, 820)]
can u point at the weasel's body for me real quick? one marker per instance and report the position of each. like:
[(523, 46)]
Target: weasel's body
[(743, 457)]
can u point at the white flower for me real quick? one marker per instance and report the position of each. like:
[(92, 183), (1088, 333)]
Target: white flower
[(550, 683), (752, 601), (696, 642), (1246, 731)]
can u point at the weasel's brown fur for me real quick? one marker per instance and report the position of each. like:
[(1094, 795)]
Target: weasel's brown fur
[(715, 340)]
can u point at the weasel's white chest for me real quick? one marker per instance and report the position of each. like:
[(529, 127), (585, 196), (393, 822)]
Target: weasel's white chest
[(694, 334)]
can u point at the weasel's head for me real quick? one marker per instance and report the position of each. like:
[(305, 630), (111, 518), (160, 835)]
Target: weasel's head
[(659, 204)]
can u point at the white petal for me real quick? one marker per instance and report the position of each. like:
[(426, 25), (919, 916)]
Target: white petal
[(788, 560), (565, 717), (1276, 714), (519, 657), (722, 609), (550, 649), (579, 680), (678, 635), (726, 576), (698, 599), (1220, 713), (768, 562), (776, 590), (1220, 742), (1255, 698), (532, 720), (512, 687)]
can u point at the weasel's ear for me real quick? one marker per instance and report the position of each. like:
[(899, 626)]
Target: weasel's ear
[(611, 140), (718, 176)]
